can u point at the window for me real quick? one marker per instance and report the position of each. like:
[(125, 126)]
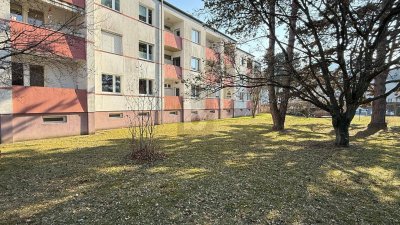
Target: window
[(212, 111), (168, 57), (167, 85), (195, 112), (145, 14), (176, 61), (195, 64), (145, 51), (241, 96), (174, 113), (145, 87), (195, 91), (110, 83), (17, 73), (113, 4), (111, 42), (116, 115), (249, 63), (144, 114), (196, 36), (177, 32), (228, 95), (36, 75), (54, 119), (35, 17), (243, 61), (16, 12)]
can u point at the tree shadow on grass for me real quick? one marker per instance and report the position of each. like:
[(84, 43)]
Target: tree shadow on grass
[(243, 174)]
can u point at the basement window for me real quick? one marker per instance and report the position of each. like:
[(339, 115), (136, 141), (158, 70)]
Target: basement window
[(195, 112), (174, 113), (54, 119), (116, 115), (144, 114), (212, 111)]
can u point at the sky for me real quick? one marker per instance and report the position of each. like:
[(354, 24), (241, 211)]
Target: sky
[(190, 6)]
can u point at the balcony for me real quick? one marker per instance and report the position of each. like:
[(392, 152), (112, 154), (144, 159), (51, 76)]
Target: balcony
[(211, 54), (172, 72), (48, 100), (212, 103), (48, 42), (228, 103), (78, 3), (172, 42), (173, 103)]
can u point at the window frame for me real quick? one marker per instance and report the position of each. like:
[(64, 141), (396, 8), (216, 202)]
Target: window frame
[(195, 91), (16, 7), (149, 15), (149, 57), (113, 5), (114, 84), (35, 80), (194, 31), (64, 119), (115, 35), (198, 64), (17, 74), (33, 20), (149, 91), (116, 115)]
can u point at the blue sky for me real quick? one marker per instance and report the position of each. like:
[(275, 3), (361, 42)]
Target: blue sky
[(190, 6)]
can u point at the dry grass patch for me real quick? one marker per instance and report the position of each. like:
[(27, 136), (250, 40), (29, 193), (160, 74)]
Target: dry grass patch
[(234, 171)]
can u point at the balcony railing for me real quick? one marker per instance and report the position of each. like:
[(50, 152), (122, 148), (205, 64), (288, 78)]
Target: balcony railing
[(228, 103), (79, 3), (172, 72), (48, 100), (173, 42), (212, 103), (46, 41), (211, 54), (173, 102)]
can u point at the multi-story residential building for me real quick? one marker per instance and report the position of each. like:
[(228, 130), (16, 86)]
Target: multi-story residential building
[(128, 50)]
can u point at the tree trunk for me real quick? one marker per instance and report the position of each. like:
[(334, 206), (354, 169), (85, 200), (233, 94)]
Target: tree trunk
[(341, 125), (378, 118)]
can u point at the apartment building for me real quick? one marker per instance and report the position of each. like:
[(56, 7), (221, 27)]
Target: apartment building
[(129, 51)]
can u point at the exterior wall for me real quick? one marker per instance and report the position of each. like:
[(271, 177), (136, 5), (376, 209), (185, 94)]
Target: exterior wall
[(176, 117), (201, 114), (104, 122), (226, 113), (242, 112), (31, 126)]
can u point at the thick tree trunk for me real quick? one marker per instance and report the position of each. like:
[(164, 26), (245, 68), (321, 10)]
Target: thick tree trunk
[(341, 125), (378, 118)]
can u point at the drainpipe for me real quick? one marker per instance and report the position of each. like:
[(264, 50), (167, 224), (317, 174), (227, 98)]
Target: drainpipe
[(161, 57)]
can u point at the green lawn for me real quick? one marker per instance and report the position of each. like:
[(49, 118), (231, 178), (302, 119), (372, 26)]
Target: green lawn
[(233, 171)]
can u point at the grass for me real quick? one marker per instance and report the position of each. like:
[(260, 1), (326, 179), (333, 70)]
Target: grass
[(234, 171)]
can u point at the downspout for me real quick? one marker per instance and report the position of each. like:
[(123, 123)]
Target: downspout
[(161, 57)]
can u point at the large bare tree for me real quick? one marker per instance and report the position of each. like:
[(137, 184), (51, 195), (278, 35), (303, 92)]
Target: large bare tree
[(337, 43)]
